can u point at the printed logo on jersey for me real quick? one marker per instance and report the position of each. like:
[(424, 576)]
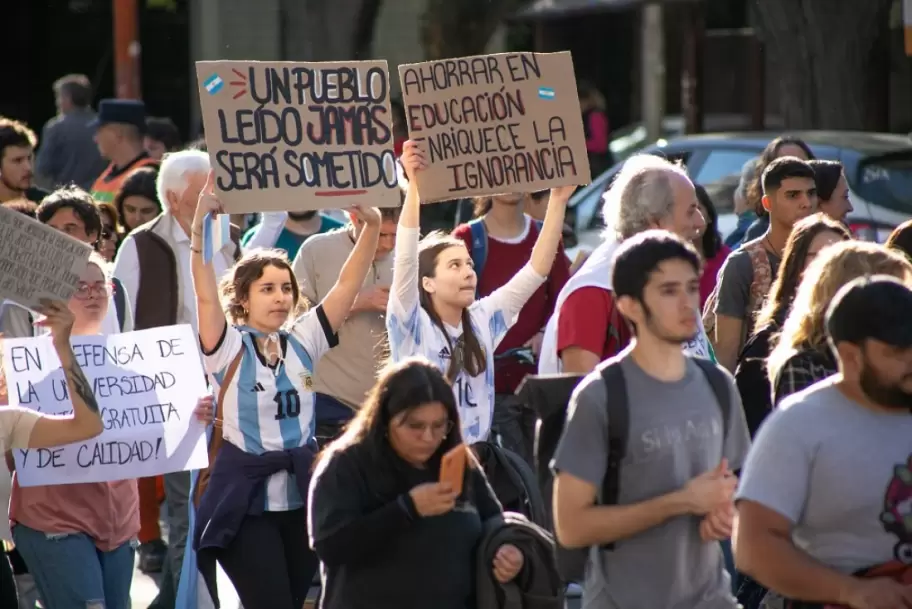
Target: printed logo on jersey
[(307, 381), (444, 353), (897, 514), (259, 387)]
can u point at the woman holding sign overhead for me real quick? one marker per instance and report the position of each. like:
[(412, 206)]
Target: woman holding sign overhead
[(76, 539), (433, 311), (251, 516)]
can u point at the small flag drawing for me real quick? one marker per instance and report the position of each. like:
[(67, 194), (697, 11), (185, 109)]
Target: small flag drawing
[(214, 84), (216, 233), (546, 92)]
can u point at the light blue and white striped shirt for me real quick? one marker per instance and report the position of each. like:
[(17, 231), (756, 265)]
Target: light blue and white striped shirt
[(271, 407)]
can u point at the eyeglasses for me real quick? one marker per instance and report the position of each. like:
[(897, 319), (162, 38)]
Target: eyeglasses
[(85, 291), (438, 429), (107, 233)]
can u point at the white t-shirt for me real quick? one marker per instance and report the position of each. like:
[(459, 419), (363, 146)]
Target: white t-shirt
[(271, 408), (412, 332)]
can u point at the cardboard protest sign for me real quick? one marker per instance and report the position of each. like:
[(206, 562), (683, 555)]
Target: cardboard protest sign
[(37, 261), (495, 124), (146, 383), (299, 136)]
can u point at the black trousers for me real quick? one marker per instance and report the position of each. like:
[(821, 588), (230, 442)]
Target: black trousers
[(270, 561)]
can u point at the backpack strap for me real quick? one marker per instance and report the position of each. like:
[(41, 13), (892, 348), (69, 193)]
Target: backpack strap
[(618, 431), (479, 250), (721, 388), (216, 439)]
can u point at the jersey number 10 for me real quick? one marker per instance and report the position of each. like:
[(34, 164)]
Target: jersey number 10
[(289, 404)]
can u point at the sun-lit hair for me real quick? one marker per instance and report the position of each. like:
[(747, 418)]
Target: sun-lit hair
[(235, 286), (175, 169), (794, 259), (639, 195), (834, 267)]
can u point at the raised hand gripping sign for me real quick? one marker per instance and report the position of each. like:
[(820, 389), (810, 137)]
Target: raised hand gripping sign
[(146, 384), (495, 124), (299, 136)]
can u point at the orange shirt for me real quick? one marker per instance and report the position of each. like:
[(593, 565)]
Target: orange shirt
[(109, 182)]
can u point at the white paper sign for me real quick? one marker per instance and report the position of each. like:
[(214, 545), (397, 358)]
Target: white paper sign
[(146, 383), (37, 261)]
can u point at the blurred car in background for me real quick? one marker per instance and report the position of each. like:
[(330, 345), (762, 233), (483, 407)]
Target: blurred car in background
[(632, 138), (878, 167)]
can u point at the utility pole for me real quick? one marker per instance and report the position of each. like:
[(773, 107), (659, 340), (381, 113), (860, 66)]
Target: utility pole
[(652, 53), (127, 50)]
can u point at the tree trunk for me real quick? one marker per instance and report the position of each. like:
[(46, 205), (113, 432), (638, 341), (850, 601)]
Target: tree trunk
[(822, 52), (457, 28), (329, 30)]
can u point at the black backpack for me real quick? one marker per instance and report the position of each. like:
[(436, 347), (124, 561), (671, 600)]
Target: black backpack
[(512, 481), (752, 380), (548, 395)]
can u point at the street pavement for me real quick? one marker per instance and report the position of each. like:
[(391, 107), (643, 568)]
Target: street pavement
[(145, 589)]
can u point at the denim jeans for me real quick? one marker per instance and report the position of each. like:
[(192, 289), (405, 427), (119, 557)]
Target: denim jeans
[(71, 573)]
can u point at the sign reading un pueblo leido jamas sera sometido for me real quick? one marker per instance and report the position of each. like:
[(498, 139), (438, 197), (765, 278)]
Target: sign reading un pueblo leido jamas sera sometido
[(495, 124), (299, 136)]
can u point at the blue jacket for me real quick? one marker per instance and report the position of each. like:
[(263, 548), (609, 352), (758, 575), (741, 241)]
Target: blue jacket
[(237, 488)]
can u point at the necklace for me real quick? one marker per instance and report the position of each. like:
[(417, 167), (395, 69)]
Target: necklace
[(772, 249)]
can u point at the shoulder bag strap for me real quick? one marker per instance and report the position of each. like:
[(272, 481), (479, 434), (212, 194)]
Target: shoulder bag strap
[(216, 439)]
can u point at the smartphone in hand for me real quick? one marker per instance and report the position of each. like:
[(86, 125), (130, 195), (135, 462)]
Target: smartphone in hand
[(452, 467)]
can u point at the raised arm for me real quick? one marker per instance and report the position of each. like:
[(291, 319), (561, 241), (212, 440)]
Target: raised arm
[(404, 290), (511, 297), (209, 315), (266, 234), (341, 296), (549, 238), (85, 422)]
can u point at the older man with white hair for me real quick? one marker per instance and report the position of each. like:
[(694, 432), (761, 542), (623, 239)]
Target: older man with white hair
[(587, 328), (153, 265)]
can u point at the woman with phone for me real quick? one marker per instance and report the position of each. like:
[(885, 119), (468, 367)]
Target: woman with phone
[(389, 531), (432, 309)]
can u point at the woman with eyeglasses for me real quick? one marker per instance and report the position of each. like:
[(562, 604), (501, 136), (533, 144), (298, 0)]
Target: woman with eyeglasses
[(76, 539), (387, 532), (433, 311)]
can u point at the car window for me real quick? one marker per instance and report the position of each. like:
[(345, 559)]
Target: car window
[(886, 182), (720, 173)]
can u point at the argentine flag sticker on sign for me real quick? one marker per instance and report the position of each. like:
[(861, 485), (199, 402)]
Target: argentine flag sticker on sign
[(546, 92), (214, 84)]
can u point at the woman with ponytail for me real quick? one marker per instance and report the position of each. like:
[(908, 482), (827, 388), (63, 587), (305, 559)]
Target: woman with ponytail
[(433, 310)]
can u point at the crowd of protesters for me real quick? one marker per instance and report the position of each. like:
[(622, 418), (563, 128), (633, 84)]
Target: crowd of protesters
[(740, 429)]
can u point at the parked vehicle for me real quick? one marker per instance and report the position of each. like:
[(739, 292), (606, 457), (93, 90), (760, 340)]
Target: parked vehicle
[(878, 167)]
